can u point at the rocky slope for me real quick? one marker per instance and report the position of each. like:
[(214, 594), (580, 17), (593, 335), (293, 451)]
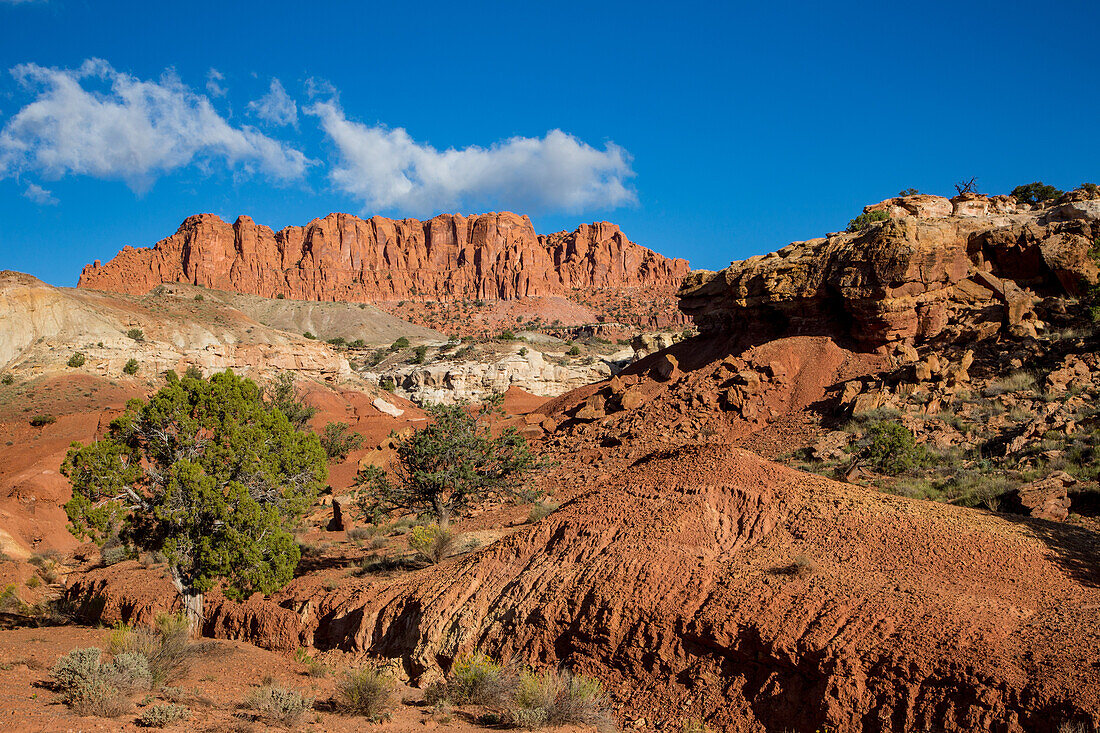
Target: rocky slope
[(342, 257), (962, 268)]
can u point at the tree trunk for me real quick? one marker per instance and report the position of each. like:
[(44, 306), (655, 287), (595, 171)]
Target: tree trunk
[(192, 603)]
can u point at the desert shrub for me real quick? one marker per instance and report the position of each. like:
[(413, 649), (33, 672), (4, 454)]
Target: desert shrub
[(167, 648), (361, 533), (1091, 189), (908, 192), (433, 543), (387, 384), (280, 296), (1015, 382), (338, 442), (475, 679), (309, 336), (574, 350), (77, 360), (357, 344), (282, 394), (39, 420), (507, 336), (314, 667), (401, 343), (131, 367), (162, 715), (449, 465), (540, 511), (338, 341), (136, 334), (1034, 193), (7, 380), (419, 354), (523, 351), (10, 601), (892, 448), (199, 298), (866, 219), (367, 692), (33, 582), (277, 704), (559, 698), (91, 687)]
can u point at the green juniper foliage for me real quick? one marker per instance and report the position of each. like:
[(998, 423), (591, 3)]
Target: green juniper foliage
[(1033, 193), (451, 464), (206, 473)]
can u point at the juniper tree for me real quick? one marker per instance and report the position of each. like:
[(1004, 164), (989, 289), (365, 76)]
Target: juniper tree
[(450, 465), (208, 474)]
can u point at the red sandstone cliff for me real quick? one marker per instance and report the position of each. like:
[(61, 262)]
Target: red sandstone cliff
[(345, 258)]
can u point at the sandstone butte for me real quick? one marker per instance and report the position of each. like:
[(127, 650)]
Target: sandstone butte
[(344, 258)]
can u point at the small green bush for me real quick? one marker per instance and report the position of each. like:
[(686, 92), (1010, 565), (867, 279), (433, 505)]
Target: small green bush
[(892, 448), (574, 350), (39, 420), (199, 298), (280, 296), (1034, 193), (162, 715), (309, 336), (338, 442), (136, 334), (523, 351), (131, 367), (908, 192), (338, 341), (507, 336), (8, 380), (866, 219), (432, 542), (278, 704), (367, 692), (77, 360), (1091, 189), (475, 679), (109, 556), (401, 343), (418, 355), (388, 384), (358, 344)]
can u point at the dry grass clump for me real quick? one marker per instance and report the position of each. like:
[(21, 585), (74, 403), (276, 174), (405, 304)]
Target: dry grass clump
[(540, 511), (526, 700), (1014, 382), (167, 648), (559, 698), (277, 704), (367, 692)]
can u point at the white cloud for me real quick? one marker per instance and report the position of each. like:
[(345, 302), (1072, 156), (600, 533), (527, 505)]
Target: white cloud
[(21, 2), (214, 78), (99, 122), (276, 106), (39, 195), (387, 169)]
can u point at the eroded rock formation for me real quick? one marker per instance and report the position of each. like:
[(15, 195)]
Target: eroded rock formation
[(342, 257), (965, 267)]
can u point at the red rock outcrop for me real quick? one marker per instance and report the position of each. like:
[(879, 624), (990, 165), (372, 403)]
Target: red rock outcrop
[(965, 267), (345, 258)]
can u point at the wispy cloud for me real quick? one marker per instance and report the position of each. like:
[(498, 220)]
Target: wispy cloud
[(103, 123), (388, 170), (276, 106), (39, 195), (214, 79)]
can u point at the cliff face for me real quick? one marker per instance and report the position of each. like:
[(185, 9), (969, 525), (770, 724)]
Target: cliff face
[(342, 257), (963, 268)]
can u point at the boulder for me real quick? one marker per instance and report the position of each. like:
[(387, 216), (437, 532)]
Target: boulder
[(665, 369), (1048, 498)]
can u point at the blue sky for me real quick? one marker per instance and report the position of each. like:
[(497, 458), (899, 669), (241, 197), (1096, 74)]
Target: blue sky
[(711, 131)]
